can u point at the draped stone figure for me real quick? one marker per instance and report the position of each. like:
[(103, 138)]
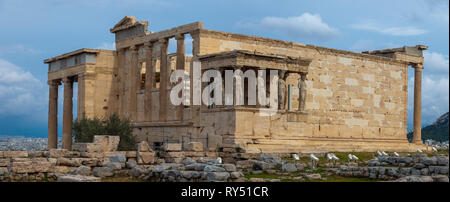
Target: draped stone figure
[(281, 90), (302, 91)]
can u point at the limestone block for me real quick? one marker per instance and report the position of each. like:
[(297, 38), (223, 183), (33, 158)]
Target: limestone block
[(15, 154), (172, 147), (4, 162), (194, 146), (31, 167), (144, 147), (68, 162), (57, 153), (87, 147), (145, 157), (63, 169), (108, 143)]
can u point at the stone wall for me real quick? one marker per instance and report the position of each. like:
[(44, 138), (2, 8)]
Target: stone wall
[(350, 97)]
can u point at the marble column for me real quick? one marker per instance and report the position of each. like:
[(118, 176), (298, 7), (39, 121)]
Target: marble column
[(134, 84), (53, 115), (149, 80), (417, 135), (163, 80), (180, 66), (67, 113)]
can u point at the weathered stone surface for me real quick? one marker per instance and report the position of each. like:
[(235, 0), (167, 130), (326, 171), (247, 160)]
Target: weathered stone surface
[(196, 166), (87, 147), (172, 147), (15, 154), (313, 176), (57, 153), (131, 164), (194, 146), (236, 175), (187, 161), (63, 169), (118, 158), (4, 162), (144, 147), (414, 178), (78, 178), (113, 166), (31, 167), (217, 176), (103, 172), (108, 143), (261, 165), (68, 162), (136, 171), (145, 157), (254, 179), (82, 170), (229, 167), (212, 168), (289, 167), (440, 178)]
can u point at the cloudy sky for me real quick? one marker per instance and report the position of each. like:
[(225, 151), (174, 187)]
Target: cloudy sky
[(32, 31)]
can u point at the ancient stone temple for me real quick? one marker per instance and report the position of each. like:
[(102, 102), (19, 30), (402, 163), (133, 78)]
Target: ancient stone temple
[(328, 99)]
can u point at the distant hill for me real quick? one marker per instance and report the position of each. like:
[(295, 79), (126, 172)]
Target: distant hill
[(437, 131)]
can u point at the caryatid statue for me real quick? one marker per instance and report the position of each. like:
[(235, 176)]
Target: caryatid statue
[(281, 90), (302, 91)]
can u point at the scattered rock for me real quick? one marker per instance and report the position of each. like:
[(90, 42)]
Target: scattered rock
[(211, 168), (78, 178), (113, 166), (131, 164), (82, 170), (118, 158), (136, 171), (313, 176), (256, 179), (103, 172), (217, 176), (289, 167)]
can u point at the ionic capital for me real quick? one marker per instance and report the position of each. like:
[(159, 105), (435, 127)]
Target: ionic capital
[(53, 82), (418, 66), (133, 48), (163, 40), (66, 80), (179, 37)]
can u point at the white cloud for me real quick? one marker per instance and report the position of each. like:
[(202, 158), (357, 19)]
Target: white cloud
[(20, 92), (436, 62), (107, 46), (309, 26), (17, 48), (435, 88), (435, 98), (393, 31)]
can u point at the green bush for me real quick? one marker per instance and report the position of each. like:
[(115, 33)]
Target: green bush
[(85, 129)]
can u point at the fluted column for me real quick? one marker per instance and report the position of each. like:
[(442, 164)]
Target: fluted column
[(67, 114), (180, 66), (53, 115), (149, 80), (163, 80), (133, 85), (417, 136)]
